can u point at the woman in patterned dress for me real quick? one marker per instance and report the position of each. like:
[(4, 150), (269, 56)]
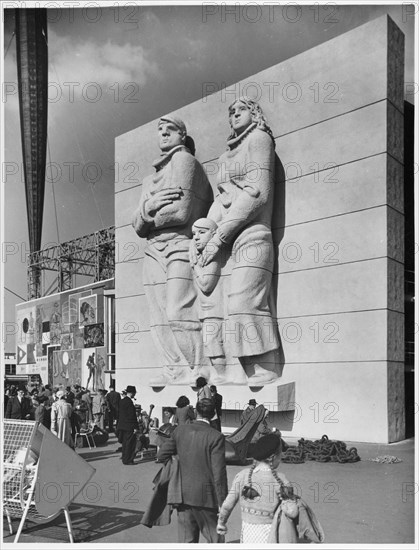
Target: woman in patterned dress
[(260, 489)]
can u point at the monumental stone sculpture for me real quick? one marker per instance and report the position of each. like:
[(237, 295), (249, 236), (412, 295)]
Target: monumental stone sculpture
[(242, 212), (210, 297), (172, 200)]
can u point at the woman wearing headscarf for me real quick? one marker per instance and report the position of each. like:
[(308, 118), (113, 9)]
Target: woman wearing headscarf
[(242, 210)]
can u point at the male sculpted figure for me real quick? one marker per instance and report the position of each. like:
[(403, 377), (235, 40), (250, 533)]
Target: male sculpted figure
[(172, 199), (210, 295)]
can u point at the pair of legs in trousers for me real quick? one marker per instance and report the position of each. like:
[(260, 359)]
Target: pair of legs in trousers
[(111, 417), (129, 441), (193, 520)]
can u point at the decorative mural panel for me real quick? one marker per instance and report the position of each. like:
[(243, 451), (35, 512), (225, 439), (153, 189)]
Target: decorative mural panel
[(41, 367), (67, 367), (78, 336), (39, 350), (93, 369), (26, 325), (73, 306), (100, 368), (39, 314), (94, 336), (55, 324), (21, 370), (65, 312), (88, 310), (100, 313), (22, 354), (57, 334), (88, 368), (30, 353), (25, 354), (50, 361), (67, 341)]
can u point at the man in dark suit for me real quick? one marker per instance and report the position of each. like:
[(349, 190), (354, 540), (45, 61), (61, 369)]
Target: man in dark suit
[(127, 426), (19, 407), (201, 451), (218, 402), (113, 399)]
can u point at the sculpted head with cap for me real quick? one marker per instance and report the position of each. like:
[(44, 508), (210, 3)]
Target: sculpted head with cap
[(171, 132)]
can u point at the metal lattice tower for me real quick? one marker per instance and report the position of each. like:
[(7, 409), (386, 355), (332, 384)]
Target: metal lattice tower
[(32, 70), (91, 256)]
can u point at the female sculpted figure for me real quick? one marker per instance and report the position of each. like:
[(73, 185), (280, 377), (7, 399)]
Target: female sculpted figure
[(242, 210)]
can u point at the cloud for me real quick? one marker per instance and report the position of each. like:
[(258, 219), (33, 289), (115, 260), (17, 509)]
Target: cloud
[(106, 66), (195, 53), (86, 61), (191, 48)]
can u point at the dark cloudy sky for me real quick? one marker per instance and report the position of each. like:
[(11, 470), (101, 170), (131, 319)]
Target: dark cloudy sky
[(113, 69)]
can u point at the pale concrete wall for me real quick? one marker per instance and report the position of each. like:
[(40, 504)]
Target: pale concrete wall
[(338, 230)]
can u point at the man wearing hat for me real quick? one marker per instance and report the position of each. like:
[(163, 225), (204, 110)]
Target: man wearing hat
[(248, 410), (172, 199), (19, 407), (128, 425)]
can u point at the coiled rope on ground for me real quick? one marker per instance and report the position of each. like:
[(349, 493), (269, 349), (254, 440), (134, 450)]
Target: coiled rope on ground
[(320, 450)]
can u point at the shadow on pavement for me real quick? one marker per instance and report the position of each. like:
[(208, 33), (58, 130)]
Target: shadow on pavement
[(97, 455), (89, 524)]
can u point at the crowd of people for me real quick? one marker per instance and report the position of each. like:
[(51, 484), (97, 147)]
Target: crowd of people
[(74, 409), (192, 450), (65, 411), (194, 458), (137, 431), (189, 442)]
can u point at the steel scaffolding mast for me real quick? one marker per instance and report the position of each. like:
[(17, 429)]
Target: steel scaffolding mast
[(32, 69), (91, 256)]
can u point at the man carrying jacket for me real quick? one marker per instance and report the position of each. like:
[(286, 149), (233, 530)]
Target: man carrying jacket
[(201, 452)]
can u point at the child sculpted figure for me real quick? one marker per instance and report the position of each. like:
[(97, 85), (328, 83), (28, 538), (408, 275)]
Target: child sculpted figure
[(208, 282)]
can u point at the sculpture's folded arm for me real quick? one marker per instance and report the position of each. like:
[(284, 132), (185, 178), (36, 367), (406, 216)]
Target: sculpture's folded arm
[(255, 184)]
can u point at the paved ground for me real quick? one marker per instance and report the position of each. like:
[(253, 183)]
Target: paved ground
[(360, 503)]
